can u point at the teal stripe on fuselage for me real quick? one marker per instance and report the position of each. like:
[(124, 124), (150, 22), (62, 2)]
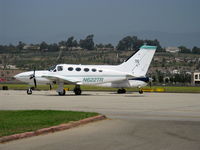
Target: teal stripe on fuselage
[(148, 47)]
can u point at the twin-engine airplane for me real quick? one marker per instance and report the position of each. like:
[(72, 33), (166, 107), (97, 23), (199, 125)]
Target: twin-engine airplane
[(131, 73)]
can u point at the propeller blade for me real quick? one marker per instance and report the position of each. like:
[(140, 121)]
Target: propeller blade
[(33, 75), (35, 82), (34, 72)]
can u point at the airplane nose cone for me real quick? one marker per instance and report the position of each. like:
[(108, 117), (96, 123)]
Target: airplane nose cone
[(16, 76), (22, 75)]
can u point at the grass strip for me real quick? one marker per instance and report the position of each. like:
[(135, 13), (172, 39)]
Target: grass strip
[(13, 122), (173, 89)]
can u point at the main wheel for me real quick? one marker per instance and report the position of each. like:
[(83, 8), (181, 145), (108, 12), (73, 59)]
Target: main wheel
[(77, 91), (141, 91), (29, 91), (121, 91), (62, 92)]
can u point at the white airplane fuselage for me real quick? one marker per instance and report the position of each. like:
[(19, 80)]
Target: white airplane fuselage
[(99, 75), (131, 73)]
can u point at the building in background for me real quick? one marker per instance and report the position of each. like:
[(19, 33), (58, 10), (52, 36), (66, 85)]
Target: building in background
[(172, 49), (196, 78)]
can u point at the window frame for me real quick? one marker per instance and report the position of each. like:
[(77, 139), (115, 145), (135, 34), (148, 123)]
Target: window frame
[(59, 68), (86, 69), (78, 69), (70, 68), (94, 70)]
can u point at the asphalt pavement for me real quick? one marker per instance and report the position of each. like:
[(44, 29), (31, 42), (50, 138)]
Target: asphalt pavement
[(152, 121)]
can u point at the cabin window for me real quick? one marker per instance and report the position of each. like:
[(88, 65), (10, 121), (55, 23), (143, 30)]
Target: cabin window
[(60, 68), (100, 70), (86, 69), (94, 70), (196, 76), (70, 69), (78, 69), (53, 68)]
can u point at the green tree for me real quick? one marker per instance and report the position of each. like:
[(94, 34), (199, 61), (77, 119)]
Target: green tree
[(155, 43), (127, 43), (195, 50), (20, 45), (71, 42), (43, 46), (62, 43), (109, 45), (99, 45), (53, 47), (133, 43), (87, 43), (184, 49)]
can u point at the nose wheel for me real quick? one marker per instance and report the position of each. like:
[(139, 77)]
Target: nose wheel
[(29, 91)]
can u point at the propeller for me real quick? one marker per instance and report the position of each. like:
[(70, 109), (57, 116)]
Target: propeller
[(33, 77)]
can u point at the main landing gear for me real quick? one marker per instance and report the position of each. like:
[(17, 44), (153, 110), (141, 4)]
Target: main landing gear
[(77, 90), (140, 91), (62, 93), (121, 91)]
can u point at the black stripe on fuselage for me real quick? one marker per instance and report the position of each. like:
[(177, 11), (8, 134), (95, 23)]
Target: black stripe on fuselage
[(144, 79)]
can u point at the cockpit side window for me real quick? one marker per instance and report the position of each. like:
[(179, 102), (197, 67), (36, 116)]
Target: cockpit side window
[(53, 68), (60, 68)]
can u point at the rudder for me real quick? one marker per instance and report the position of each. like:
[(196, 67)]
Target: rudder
[(138, 64)]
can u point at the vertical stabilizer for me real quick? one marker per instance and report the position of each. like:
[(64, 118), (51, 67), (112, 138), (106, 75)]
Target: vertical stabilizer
[(138, 64)]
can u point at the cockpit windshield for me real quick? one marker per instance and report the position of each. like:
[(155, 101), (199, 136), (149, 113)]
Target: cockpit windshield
[(52, 68)]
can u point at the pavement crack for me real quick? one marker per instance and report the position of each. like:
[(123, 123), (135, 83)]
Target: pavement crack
[(181, 136)]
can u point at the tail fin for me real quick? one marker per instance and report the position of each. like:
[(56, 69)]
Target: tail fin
[(138, 63)]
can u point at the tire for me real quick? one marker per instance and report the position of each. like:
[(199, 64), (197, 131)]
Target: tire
[(29, 91), (140, 91), (5, 88), (77, 91), (62, 93), (121, 91)]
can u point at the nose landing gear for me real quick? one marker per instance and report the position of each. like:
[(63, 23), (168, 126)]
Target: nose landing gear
[(30, 90)]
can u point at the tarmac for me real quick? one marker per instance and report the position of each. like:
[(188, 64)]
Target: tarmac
[(152, 121)]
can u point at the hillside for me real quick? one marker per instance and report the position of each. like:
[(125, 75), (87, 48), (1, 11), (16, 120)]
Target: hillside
[(164, 65)]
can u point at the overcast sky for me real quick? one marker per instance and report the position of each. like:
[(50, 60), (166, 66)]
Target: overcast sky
[(55, 20)]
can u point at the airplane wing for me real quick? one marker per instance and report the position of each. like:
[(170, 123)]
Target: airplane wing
[(62, 79)]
